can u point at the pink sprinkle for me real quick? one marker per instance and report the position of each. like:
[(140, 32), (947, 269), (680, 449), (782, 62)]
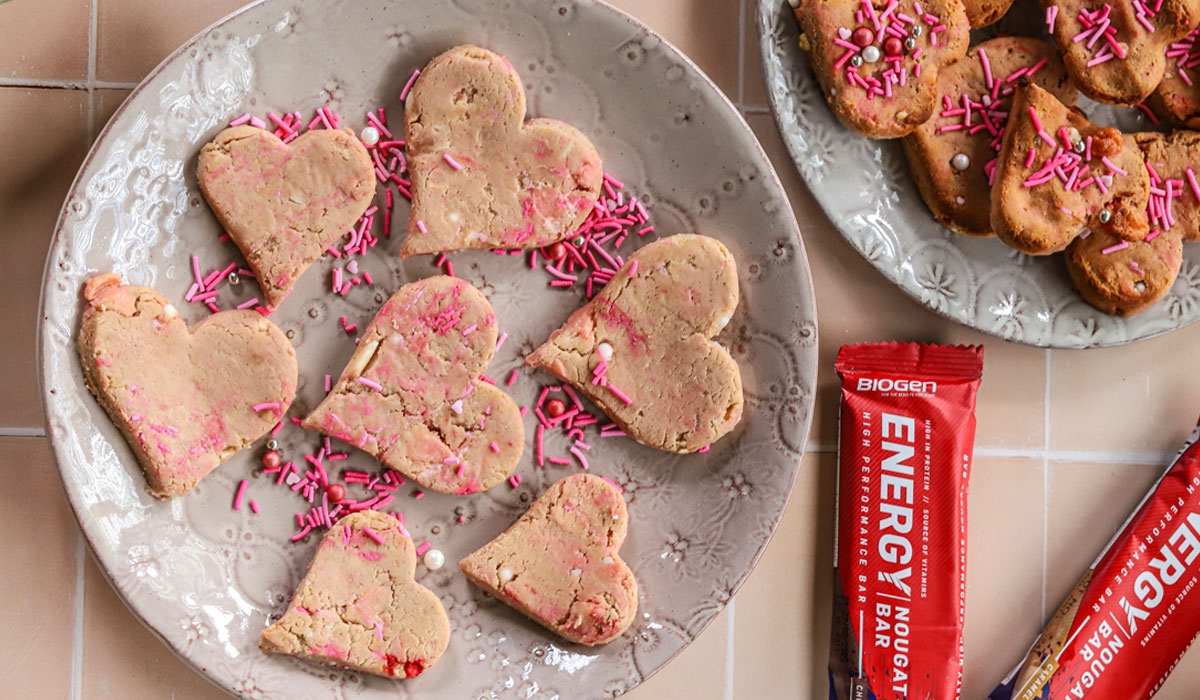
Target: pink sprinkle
[(579, 455), (511, 378), (367, 277), (371, 533), (495, 447), (702, 450), (633, 268), (302, 533), (421, 226), (613, 484), (248, 304), (1115, 247), (254, 505), (370, 384), (515, 480), (328, 383), (237, 499), (558, 460), (418, 494), (541, 429), (620, 394), (271, 405), (1029, 158), (500, 341), (276, 429), (240, 120), (408, 86), (1112, 166), (451, 162), (424, 548)]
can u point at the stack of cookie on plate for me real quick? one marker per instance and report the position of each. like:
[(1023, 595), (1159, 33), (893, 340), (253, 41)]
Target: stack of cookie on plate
[(996, 143)]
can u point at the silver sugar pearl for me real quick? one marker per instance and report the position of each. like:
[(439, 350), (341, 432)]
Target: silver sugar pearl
[(578, 242), (272, 444), (960, 161), (856, 60), (911, 43), (1105, 216), (1078, 146), (916, 30), (234, 278)]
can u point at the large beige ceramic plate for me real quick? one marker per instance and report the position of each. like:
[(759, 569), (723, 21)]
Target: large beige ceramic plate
[(865, 188), (205, 578)]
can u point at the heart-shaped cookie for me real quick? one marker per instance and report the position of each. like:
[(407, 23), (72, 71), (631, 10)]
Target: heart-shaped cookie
[(358, 606), (284, 204), (1059, 174), (482, 176), (412, 394), (559, 565), (641, 348), (1115, 52), (881, 79), (186, 400), (952, 156)]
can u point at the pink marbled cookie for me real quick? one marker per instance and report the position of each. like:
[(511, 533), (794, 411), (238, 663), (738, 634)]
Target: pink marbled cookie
[(358, 606), (412, 395), (559, 565), (482, 176), (185, 399), (284, 204), (641, 350)]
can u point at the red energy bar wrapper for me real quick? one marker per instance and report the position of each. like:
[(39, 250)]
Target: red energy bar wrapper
[(1135, 612), (906, 437)]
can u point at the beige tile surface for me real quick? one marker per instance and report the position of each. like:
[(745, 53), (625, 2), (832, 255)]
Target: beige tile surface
[(38, 571), (140, 665), (1121, 404), (44, 40), (133, 36), (1146, 380), (781, 616), (697, 673), (33, 182)]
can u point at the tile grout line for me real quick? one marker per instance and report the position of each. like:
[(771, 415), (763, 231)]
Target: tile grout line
[(91, 73), (1135, 457), (741, 96), (1045, 483), (729, 637), (63, 84), (20, 432), (77, 633)]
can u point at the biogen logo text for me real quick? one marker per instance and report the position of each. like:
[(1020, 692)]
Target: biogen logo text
[(867, 384)]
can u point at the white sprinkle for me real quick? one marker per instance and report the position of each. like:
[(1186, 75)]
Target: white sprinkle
[(369, 136), (607, 560), (960, 161), (506, 574), (871, 54), (434, 559), (169, 311), (605, 351), (456, 407)]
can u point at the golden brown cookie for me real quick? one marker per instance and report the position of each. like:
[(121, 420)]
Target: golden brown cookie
[(1058, 174), (284, 204), (878, 62), (1115, 51), (1173, 164), (952, 156), (482, 176), (559, 564), (641, 349), (981, 13), (186, 399), (1123, 278), (358, 606)]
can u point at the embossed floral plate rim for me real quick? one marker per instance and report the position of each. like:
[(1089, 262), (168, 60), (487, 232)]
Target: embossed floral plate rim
[(138, 541), (977, 282)]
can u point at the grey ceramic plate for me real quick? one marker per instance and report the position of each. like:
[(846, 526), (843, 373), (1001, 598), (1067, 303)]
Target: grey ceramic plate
[(866, 190), (205, 578)]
